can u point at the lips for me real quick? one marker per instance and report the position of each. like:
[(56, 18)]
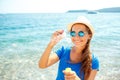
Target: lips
[(78, 42)]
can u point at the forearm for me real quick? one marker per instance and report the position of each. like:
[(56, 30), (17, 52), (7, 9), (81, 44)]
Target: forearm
[(45, 56), (56, 37)]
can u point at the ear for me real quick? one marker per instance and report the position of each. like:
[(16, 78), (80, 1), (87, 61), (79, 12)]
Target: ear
[(89, 36)]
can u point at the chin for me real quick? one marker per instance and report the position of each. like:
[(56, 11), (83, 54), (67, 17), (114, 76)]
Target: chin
[(79, 45)]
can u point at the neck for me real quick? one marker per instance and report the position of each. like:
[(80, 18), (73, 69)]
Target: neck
[(76, 54), (78, 49)]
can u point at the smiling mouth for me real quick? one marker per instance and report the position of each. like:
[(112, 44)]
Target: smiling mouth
[(78, 42)]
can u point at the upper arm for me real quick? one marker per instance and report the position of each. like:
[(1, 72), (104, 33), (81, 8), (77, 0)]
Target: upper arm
[(92, 75), (52, 59), (56, 56)]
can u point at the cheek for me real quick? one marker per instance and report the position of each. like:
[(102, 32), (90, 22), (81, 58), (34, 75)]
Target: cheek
[(86, 39), (72, 39)]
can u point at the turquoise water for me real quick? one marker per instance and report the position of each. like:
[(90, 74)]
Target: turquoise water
[(23, 38)]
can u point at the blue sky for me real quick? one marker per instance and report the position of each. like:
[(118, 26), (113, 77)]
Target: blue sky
[(44, 6)]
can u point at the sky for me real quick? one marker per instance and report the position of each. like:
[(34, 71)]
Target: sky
[(53, 6)]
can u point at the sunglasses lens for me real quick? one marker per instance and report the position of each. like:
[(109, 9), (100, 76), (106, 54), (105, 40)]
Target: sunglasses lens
[(72, 33), (81, 33)]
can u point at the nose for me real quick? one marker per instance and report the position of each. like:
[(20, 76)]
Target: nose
[(77, 36)]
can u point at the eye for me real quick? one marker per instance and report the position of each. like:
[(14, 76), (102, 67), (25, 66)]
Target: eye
[(72, 33), (81, 33)]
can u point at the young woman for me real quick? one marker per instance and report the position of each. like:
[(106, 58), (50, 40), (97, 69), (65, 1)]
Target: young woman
[(79, 58)]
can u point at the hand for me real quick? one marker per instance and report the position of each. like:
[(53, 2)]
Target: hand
[(70, 75), (56, 37)]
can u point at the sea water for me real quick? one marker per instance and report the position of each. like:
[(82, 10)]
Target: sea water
[(23, 38)]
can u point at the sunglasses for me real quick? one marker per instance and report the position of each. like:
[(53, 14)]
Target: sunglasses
[(80, 34)]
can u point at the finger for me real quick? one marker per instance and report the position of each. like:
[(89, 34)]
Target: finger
[(60, 31), (68, 72), (70, 77), (57, 35)]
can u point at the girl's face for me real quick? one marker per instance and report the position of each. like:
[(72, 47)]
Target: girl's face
[(80, 35)]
